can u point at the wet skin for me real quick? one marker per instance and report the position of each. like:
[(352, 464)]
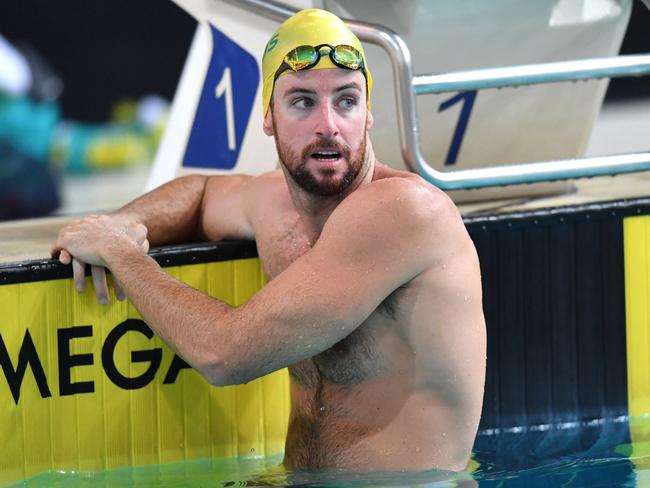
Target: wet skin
[(404, 389), (373, 300)]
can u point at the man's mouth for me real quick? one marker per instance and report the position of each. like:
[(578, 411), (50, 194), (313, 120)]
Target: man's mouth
[(326, 155)]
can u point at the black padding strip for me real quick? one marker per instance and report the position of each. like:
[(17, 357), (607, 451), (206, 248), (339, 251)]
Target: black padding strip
[(197, 253)]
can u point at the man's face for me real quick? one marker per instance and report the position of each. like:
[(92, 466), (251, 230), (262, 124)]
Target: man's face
[(319, 119)]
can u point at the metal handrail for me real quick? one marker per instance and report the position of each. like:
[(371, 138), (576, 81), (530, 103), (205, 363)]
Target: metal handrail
[(407, 87), (534, 74)]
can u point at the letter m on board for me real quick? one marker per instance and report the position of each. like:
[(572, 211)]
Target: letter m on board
[(26, 357)]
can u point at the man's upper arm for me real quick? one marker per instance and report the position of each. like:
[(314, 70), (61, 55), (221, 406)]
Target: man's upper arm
[(362, 255), (225, 208)]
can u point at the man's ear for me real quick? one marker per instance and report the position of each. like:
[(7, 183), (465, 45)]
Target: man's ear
[(370, 120), (268, 123)]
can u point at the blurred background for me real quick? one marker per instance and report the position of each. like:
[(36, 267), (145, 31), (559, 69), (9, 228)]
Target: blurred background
[(79, 133)]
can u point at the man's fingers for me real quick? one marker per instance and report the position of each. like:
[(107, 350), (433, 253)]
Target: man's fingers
[(57, 251), (119, 291), (78, 274), (65, 257), (99, 282)]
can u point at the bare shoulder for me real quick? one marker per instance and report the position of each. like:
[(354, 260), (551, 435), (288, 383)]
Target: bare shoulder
[(236, 183), (411, 183), (395, 213), (403, 201), (231, 203), (265, 193)]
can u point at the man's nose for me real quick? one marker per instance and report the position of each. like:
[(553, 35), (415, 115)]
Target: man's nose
[(326, 123)]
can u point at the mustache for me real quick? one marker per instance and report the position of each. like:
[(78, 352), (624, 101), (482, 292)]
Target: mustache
[(326, 144)]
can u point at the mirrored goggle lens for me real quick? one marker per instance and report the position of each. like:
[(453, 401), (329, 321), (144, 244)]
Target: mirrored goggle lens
[(301, 57), (347, 56)]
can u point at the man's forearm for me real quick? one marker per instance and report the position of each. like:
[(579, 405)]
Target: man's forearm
[(196, 326), (171, 212)]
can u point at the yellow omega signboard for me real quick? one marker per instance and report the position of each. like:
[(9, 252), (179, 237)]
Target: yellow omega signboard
[(85, 387)]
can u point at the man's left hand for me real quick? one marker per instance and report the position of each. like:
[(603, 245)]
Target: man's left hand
[(89, 241)]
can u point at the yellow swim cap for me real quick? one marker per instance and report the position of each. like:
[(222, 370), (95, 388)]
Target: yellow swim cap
[(311, 27)]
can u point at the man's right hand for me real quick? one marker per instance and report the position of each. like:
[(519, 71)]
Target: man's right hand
[(82, 230)]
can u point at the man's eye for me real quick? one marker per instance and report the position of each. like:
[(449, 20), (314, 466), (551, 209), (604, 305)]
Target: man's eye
[(348, 102), (303, 103)]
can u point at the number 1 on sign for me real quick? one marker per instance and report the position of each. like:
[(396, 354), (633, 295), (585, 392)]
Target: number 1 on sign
[(468, 99), (225, 87)]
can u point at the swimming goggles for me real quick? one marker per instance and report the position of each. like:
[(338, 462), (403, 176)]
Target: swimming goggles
[(305, 57)]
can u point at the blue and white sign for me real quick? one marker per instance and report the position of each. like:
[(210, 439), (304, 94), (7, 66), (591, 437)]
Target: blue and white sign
[(224, 108)]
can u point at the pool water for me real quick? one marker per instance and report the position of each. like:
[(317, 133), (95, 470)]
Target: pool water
[(598, 455), (591, 454)]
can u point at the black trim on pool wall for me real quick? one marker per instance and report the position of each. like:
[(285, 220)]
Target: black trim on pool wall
[(197, 253), (601, 210), (180, 255)]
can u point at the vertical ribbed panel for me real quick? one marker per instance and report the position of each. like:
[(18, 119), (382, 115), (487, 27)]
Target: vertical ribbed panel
[(112, 426), (637, 276), (554, 305), (562, 355), (637, 286), (536, 304), (613, 311), (11, 460), (511, 345)]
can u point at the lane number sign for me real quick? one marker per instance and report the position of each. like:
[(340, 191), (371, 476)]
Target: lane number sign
[(224, 107)]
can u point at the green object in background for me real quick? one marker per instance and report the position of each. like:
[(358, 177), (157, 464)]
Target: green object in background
[(125, 141), (28, 126), (35, 129), (79, 148)]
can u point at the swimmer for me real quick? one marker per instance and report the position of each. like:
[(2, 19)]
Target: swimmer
[(373, 298)]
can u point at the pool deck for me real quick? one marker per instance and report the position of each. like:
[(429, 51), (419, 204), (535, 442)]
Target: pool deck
[(28, 240)]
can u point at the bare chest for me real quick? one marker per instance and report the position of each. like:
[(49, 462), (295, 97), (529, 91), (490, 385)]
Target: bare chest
[(354, 360), (280, 246)]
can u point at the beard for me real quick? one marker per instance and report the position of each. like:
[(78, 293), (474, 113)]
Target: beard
[(307, 178)]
